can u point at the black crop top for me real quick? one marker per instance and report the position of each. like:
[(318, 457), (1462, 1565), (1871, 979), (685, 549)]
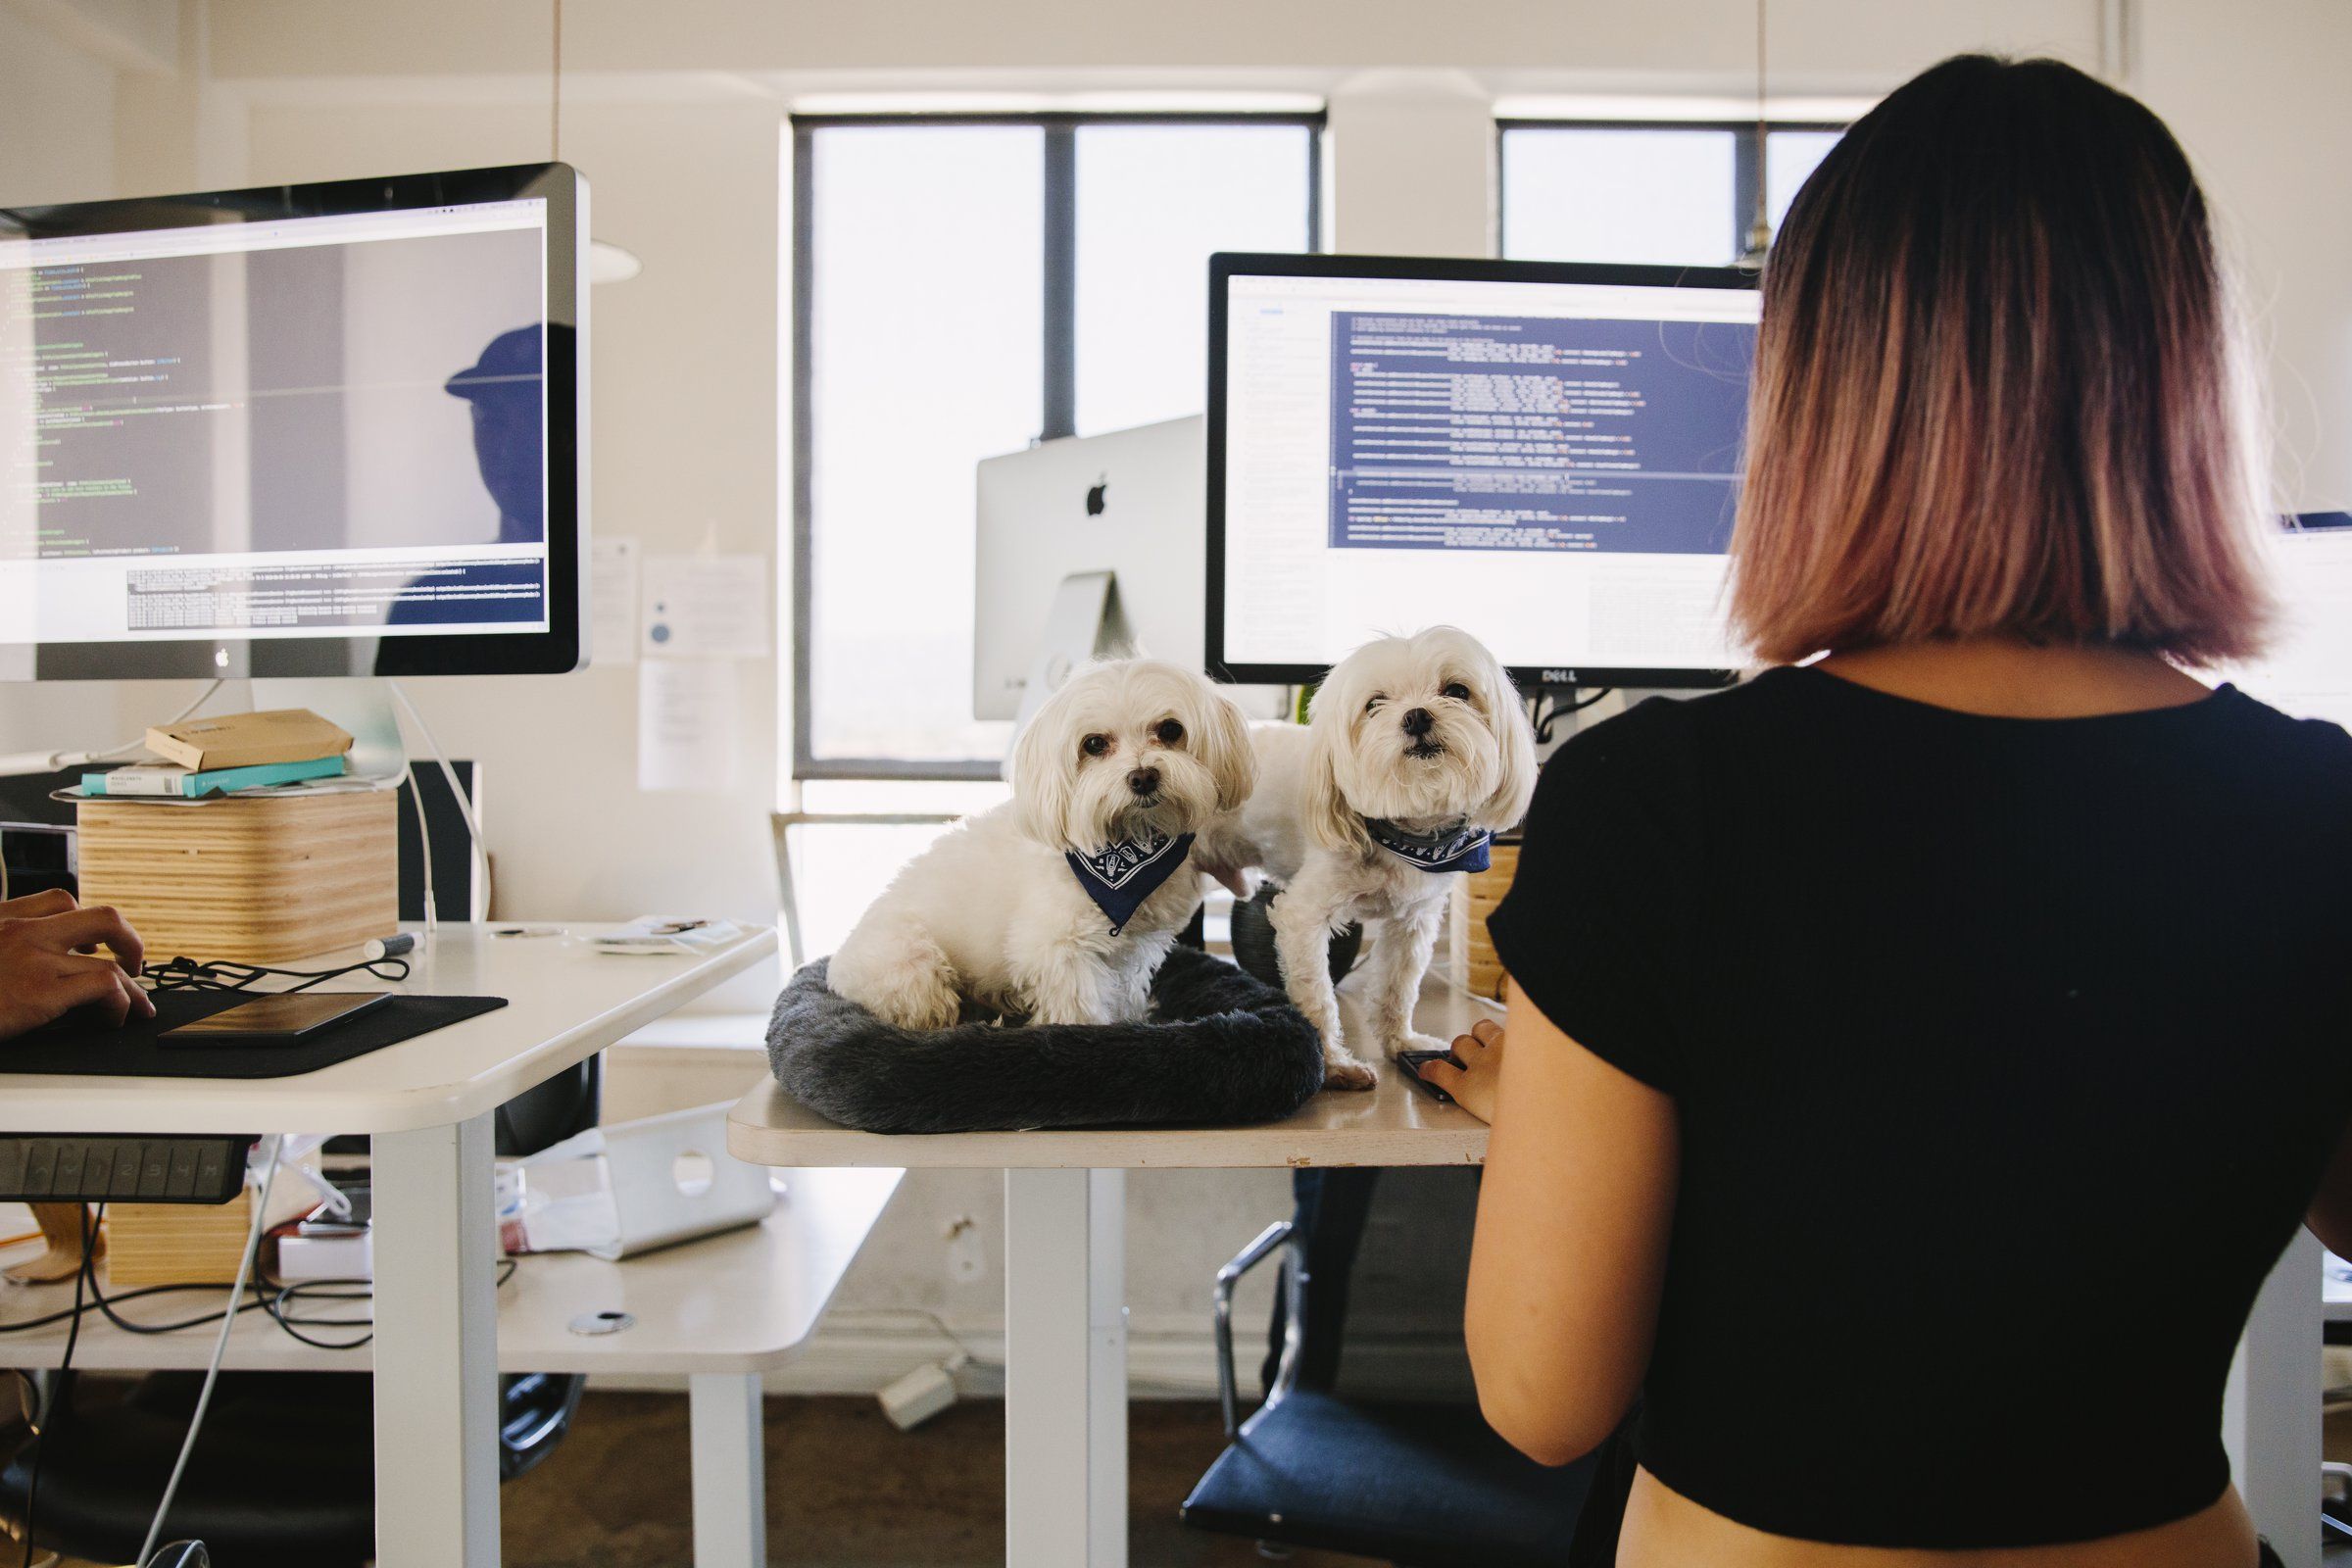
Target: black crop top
[(1968, 1021)]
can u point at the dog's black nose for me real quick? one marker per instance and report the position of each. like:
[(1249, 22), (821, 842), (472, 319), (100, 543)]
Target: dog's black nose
[(1144, 780), (1417, 722)]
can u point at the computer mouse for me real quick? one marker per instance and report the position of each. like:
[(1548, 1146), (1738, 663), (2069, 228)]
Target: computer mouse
[(181, 1554)]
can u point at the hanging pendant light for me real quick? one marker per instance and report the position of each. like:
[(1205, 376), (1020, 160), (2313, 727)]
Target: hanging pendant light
[(608, 263), (1759, 229)]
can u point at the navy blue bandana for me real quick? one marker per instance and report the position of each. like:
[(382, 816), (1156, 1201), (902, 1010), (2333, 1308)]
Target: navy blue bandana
[(1122, 877), (1460, 848)]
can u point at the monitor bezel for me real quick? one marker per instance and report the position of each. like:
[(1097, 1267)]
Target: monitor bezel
[(1225, 265), (560, 649)]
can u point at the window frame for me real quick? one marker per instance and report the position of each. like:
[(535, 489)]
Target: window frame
[(1059, 402), (1748, 163)]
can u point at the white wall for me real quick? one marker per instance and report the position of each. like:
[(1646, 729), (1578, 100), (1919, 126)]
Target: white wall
[(675, 112), (2256, 93)]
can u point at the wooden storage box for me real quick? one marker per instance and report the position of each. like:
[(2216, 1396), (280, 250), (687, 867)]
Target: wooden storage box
[(176, 1243), (250, 879), (1487, 889)]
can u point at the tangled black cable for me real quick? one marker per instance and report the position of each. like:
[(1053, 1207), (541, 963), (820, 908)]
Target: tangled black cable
[(220, 974), (1549, 710), (276, 1297), (58, 1399)]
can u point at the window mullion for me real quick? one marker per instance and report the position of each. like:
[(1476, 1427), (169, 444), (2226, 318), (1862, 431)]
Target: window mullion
[(1748, 178), (1060, 281)]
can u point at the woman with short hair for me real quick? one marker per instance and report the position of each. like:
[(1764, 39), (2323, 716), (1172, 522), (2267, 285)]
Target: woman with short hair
[(1872, 1019)]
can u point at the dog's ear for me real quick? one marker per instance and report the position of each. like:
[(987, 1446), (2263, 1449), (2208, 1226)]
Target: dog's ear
[(1232, 760), (1330, 821), (1040, 772), (1515, 753)]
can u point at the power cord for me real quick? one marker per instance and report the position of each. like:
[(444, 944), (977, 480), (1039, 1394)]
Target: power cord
[(1546, 710), (448, 774), (269, 1296), (24, 763), (424, 848), (53, 1407), (222, 974), (228, 1321)]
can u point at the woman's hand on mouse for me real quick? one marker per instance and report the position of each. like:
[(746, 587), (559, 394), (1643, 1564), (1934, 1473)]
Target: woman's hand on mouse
[(1472, 1084), (49, 963)]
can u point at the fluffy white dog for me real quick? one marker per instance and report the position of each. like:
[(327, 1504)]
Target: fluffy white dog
[(1058, 906), (1416, 752)]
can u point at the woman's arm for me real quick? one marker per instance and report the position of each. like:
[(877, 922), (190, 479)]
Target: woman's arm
[(1573, 1218), (2330, 1216)]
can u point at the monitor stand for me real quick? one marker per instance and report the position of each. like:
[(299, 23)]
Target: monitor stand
[(1084, 622), (361, 703)]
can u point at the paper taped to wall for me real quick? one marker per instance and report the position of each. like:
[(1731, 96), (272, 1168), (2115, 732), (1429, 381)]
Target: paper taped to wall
[(706, 606), (686, 729)]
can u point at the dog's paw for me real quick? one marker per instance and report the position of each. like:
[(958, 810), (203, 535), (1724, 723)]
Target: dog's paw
[(1413, 1041), (1346, 1072)]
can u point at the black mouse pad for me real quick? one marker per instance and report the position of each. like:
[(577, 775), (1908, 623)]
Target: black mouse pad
[(132, 1051)]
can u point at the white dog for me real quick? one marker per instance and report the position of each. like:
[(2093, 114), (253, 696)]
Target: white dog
[(1418, 751), (1058, 906)]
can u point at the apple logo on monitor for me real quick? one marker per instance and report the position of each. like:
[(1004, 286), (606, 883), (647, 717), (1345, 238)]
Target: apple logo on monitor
[(1095, 494)]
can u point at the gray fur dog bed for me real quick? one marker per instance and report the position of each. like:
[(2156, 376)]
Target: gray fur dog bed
[(1218, 1049)]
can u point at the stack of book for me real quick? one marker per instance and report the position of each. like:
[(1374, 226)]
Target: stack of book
[(234, 751)]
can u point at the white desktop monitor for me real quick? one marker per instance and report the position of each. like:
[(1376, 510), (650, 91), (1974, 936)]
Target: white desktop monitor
[(1545, 455), (1128, 503), (306, 430)]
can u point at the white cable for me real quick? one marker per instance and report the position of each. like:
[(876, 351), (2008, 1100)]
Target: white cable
[(23, 763), (473, 831), (130, 746), (228, 1321), (424, 843)]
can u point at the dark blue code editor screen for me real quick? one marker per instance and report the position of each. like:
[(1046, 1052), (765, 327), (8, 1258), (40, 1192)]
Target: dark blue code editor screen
[(1509, 432)]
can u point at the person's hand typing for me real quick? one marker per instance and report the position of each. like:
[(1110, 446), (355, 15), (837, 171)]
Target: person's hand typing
[(1472, 1084), (49, 965)]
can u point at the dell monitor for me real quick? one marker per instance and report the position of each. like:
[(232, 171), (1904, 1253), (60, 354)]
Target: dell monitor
[(303, 430), (1545, 455)]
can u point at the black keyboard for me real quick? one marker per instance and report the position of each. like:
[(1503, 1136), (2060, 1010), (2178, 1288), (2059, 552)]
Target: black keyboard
[(105, 1167)]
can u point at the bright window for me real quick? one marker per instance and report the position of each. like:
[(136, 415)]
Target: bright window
[(963, 288), (1667, 194)]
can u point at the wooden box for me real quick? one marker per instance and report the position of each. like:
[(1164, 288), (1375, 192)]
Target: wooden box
[(1487, 889), (176, 1243), (250, 879)]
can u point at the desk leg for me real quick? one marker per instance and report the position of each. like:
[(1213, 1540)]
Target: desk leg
[(730, 1471), (2271, 1408), (436, 1349), (1065, 1368)]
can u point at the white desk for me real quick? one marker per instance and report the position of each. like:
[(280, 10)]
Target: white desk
[(1065, 1379), (1066, 1255), (721, 1312), (427, 1104)]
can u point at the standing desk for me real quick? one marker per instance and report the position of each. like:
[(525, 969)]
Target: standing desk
[(719, 1312), (427, 1104), (1065, 1258), (1066, 1336)]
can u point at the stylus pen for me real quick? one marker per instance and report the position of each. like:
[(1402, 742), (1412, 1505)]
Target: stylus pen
[(389, 947)]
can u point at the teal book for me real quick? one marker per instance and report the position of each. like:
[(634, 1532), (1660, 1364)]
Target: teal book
[(147, 780)]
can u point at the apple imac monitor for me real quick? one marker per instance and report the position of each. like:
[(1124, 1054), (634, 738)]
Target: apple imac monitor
[(1545, 455), (306, 430), (1127, 503)]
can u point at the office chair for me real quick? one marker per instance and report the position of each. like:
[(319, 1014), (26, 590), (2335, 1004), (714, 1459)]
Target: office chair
[(1419, 1484), (284, 1473)]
